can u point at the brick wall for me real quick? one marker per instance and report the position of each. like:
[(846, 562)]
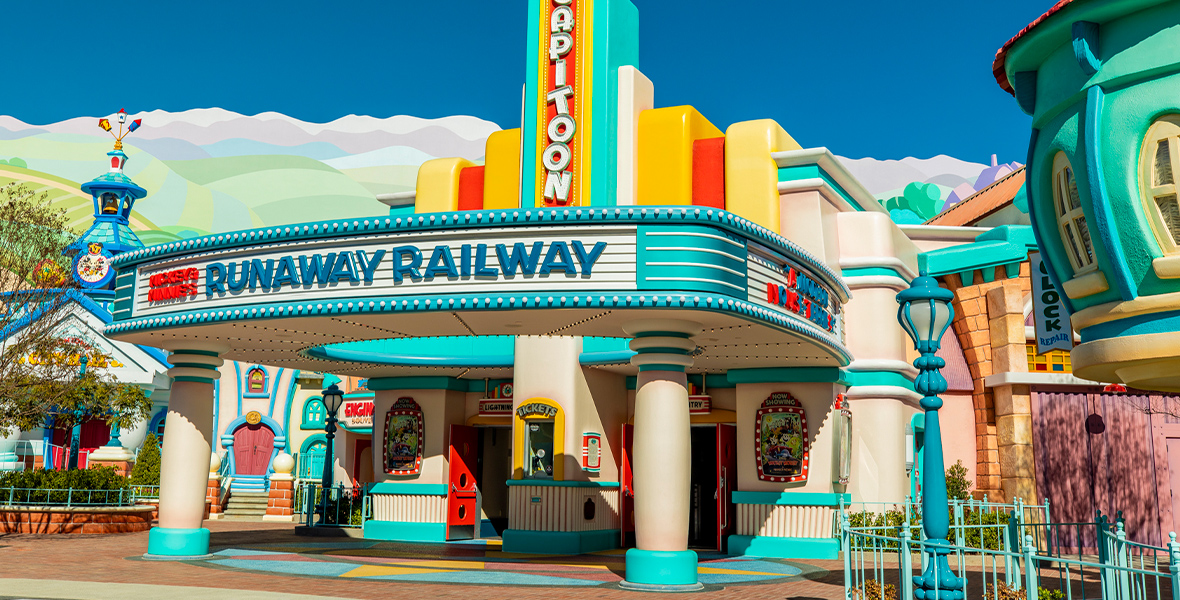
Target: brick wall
[(282, 498), (63, 520), (973, 328)]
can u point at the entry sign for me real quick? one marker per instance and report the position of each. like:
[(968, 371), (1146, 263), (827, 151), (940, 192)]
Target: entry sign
[(1053, 329)]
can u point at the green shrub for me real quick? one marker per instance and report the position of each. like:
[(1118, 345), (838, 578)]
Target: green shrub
[(147, 465), (957, 484), (111, 487), (987, 538)]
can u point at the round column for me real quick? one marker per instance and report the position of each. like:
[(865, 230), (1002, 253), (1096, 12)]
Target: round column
[(661, 457), (184, 460)]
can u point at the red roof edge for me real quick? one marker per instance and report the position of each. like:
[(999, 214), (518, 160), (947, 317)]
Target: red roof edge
[(998, 66)]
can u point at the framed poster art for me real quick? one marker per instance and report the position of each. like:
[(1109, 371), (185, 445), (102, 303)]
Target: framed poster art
[(403, 438), (782, 447)]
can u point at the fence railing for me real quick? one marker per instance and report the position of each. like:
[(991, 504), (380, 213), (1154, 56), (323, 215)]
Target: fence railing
[(68, 497), (310, 465), (145, 492), (880, 563), (18, 455), (339, 506)]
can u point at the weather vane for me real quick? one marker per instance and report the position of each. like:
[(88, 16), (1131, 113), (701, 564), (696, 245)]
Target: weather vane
[(122, 117)]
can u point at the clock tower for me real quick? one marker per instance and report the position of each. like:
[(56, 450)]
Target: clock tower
[(114, 195)]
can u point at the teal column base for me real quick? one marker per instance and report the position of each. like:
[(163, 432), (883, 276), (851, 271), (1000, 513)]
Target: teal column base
[(784, 547), (656, 570), (405, 531), (177, 544), (559, 542)]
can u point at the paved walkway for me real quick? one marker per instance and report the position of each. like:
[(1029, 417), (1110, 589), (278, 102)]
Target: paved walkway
[(267, 561)]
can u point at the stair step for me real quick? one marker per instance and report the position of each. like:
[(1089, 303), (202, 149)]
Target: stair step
[(251, 502)]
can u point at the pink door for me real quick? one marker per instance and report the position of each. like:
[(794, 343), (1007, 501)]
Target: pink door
[(627, 497), (253, 445)]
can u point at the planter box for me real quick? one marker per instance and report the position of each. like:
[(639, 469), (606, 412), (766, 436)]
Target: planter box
[(88, 519)]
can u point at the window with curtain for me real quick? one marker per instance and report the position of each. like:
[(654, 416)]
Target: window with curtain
[(1157, 178), (1071, 220)]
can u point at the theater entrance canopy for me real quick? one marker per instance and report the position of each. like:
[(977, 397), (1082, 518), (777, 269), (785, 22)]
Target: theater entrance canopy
[(314, 296)]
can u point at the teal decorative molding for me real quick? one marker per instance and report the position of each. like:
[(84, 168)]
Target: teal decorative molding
[(550, 483), (791, 498), (1006, 246), (408, 489)]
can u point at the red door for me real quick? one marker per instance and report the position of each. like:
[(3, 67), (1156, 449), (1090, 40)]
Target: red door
[(726, 482), (95, 434), (462, 512), (253, 445), (627, 517), (362, 462)]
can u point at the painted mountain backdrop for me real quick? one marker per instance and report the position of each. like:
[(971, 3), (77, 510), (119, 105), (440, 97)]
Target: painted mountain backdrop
[(214, 170)]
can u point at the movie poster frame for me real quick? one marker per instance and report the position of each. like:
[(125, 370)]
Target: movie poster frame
[(403, 407), (782, 402)]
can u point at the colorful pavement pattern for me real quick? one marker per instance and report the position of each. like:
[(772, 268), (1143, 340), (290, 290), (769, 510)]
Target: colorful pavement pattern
[(479, 563)]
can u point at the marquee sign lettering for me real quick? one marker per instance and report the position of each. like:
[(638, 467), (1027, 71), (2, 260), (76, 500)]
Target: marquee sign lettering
[(403, 438), (782, 447), (802, 296), (560, 130), (170, 285), (509, 260)]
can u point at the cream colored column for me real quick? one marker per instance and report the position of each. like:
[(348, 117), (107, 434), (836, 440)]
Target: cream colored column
[(661, 456), (184, 460)]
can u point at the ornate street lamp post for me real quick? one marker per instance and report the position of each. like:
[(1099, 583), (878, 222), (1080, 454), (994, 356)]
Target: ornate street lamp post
[(333, 398), (925, 313)]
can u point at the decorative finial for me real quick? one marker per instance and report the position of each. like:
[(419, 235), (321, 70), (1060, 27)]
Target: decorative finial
[(121, 116)]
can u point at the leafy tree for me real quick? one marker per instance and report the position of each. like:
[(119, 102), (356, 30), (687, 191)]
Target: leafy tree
[(957, 484), (40, 365), (147, 466)]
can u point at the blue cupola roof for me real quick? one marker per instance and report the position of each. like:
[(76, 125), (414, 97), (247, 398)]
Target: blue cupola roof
[(114, 196)]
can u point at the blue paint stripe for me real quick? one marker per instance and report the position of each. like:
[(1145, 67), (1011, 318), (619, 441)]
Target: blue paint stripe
[(1105, 229), (790, 498), (1161, 322)]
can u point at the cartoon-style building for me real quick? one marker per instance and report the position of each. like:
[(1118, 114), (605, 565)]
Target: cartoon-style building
[(691, 322), (1098, 79)]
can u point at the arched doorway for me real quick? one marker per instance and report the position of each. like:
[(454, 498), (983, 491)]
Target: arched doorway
[(253, 447)]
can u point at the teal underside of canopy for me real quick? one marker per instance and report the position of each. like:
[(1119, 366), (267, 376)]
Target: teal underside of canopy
[(461, 351)]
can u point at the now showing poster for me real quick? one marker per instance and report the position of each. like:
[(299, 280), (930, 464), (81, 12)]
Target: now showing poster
[(1049, 314)]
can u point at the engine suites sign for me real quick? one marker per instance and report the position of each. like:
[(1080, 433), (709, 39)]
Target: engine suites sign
[(421, 264)]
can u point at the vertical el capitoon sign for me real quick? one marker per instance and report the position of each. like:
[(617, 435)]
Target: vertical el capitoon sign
[(403, 438), (783, 449), (1053, 328), (563, 136)]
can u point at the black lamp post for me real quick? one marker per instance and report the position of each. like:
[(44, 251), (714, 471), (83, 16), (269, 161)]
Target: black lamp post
[(332, 398)]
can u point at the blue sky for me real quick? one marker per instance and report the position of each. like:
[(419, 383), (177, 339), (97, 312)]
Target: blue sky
[(864, 78)]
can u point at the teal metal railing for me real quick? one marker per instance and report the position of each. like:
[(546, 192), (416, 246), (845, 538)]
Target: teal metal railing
[(1023, 561), (68, 497), (343, 506)]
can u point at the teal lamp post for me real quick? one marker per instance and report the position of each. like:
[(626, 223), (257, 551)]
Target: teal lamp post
[(925, 313)]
